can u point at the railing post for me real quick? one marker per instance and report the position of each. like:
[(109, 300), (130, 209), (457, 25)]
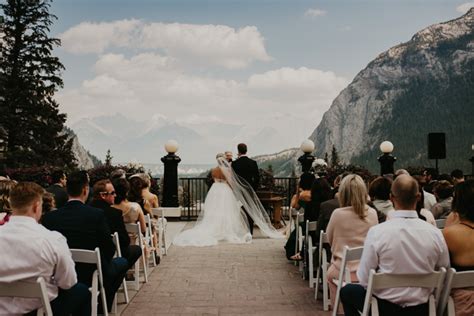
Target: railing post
[(189, 199)]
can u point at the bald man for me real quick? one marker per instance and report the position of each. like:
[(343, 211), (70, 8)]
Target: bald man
[(404, 244)]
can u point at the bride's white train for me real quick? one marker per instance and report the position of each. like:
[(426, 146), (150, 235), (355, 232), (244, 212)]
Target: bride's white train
[(222, 219)]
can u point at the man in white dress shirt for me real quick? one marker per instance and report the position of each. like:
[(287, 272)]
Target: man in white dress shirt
[(30, 251), (404, 244)]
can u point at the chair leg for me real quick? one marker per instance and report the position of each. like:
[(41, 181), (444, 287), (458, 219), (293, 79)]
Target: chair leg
[(145, 270), (125, 292), (316, 288), (94, 293), (104, 301), (164, 242), (325, 288)]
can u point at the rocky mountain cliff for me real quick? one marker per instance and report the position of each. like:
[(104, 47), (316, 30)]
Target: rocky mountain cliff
[(421, 86), (283, 163), (84, 159)]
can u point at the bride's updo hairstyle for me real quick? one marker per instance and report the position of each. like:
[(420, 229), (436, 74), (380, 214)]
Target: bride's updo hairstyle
[(353, 192), (220, 155)]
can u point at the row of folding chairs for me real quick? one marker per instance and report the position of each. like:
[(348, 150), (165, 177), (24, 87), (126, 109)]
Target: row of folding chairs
[(38, 289), (440, 301)]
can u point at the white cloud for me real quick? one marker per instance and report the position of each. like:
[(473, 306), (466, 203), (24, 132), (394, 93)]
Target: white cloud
[(88, 37), (195, 44), (314, 13), (463, 8), (302, 84), (156, 88)]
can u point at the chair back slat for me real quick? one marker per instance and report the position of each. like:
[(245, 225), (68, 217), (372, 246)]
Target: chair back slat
[(312, 226), (85, 256), (116, 239), (26, 289), (354, 253), (463, 279), (384, 281)]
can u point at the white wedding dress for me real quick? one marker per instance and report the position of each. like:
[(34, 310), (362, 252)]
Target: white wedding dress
[(223, 219)]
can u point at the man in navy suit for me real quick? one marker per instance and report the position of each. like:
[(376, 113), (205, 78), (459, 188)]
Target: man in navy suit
[(85, 227), (247, 169)]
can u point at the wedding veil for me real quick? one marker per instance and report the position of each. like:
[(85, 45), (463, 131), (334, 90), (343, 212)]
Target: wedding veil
[(246, 196)]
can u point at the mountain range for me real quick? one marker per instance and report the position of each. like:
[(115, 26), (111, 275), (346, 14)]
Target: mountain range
[(131, 140), (424, 85)]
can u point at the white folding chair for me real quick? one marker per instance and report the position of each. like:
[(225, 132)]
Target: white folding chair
[(385, 281), (162, 223), (349, 254), (322, 274), (118, 253), (299, 238), (148, 239), (26, 289), (440, 223), (310, 250), (136, 230), (454, 280), (93, 257)]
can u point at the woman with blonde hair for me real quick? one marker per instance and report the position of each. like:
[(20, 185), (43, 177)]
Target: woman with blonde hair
[(348, 226)]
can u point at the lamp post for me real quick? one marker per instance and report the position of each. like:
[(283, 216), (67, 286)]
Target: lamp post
[(472, 160), (3, 149), (386, 159), (306, 160), (170, 175)]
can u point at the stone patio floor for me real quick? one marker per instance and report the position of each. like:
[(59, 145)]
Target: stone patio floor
[(253, 279)]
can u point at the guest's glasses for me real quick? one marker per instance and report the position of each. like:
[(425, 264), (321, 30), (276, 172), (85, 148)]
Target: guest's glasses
[(108, 193)]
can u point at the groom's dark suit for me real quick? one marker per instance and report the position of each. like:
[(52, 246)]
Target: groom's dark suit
[(247, 169)]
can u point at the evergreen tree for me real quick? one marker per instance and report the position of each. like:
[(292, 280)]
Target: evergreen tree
[(29, 77), (108, 158), (270, 169), (326, 158), (335, 162)]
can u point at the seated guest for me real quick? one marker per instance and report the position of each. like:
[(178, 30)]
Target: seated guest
[(428, 181), (6, 186), (320, 192), (379, 192), (403, 245), (103, 198), (443, 191), (30, 251), (151, 198), (303, 192), (348, 226), (85, 227), (131, 211), (58, 188), (422, 212), (458, 176), (459, 235), (299, 201)]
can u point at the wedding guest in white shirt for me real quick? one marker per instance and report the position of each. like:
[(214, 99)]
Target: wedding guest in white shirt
[(30, 251), (403, 245)]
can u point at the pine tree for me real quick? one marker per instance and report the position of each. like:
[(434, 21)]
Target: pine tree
[(29, 77), (326, 157), (335, 162), (108, 158)]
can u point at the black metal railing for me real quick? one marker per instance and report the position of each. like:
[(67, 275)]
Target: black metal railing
[(194, 191)]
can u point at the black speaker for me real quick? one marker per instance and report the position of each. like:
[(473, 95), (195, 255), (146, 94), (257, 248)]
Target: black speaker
[(436, 146)]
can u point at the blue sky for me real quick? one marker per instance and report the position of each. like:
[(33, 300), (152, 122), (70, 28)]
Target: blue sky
[(257, 63)]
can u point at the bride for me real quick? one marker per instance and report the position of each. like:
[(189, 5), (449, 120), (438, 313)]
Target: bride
[(223, 219)]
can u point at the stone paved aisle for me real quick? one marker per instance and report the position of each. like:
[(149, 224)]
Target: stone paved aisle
[(253, 279)]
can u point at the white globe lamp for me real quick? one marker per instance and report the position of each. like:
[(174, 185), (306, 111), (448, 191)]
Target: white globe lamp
[(171, 146), (386, 147), (307, 146)]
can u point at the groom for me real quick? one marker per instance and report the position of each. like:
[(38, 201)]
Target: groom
[(247, 169)]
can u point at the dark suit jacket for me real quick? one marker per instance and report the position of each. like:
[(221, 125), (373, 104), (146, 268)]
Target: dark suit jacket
[(60, 194), (325, 213), (115, 220), (247, 169), (84, 227)]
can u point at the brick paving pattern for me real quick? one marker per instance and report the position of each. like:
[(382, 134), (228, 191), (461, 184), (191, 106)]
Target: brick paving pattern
[(254, 279)]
